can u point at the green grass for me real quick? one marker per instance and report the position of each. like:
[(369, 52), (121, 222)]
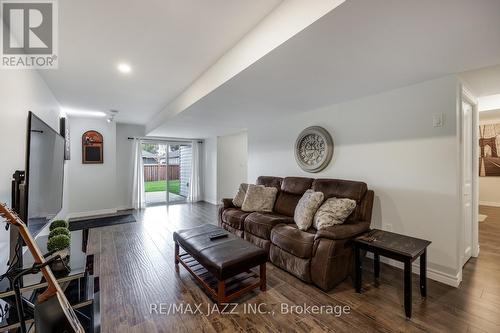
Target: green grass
[(160, 186)]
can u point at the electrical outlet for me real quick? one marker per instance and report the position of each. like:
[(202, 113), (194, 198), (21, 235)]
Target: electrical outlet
[(387, 227)]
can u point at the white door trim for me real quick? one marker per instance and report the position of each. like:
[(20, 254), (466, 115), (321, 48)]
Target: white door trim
[(468, 97)]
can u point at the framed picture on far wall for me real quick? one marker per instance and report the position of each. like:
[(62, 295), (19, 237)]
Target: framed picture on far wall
[(92, 148), (489, 150)]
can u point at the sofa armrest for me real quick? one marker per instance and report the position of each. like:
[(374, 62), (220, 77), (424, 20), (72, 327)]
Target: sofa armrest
[(343, 231), (227, 203)]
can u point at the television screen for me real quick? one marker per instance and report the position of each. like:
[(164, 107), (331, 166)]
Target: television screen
[(44, 173)]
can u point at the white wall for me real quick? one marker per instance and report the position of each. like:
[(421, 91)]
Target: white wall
[(209, 170), (489, 187), (232, 164), (125, 163), (20, 92), (389, 142), (92, 187)]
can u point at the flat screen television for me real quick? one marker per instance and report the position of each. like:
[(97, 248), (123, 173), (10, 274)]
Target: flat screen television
[(44, 178)]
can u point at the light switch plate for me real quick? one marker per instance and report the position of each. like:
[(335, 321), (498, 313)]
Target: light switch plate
[(437, 120)]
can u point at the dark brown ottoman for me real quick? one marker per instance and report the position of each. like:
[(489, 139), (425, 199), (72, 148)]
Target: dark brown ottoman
[(222, 265)]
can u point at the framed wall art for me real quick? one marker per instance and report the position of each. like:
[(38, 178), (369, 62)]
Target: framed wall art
[(92, 148), (489, 150), (313, 149)]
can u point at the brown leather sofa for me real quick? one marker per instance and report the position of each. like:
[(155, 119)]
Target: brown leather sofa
[(323, 257)]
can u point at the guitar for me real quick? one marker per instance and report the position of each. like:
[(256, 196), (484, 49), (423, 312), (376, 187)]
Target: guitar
[(53, 313)]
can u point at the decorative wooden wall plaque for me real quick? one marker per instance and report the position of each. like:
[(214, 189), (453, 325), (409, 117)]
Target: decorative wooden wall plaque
[(92, 148)]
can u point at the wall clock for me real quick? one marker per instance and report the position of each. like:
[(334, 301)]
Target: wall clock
[(313, 149)]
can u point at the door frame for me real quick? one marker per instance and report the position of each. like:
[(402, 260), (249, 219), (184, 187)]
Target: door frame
[(468, 97)]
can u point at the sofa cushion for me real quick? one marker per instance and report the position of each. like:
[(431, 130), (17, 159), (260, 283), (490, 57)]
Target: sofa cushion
[(269, 181), (292, 240), (292, 189), (264, 244), (340, 188), (232, 230), (296, 185), (306, 208), (240, 195), (299, 267), (260, 224), (234, 217), (333, 211), (259, 198)]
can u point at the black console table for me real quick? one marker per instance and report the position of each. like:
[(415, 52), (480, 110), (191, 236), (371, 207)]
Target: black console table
[(398, 247), (80, 285)]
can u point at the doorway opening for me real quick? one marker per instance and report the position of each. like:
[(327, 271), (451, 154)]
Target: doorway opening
[(489, 164), (480, 137), (483, 148), (167, 172)]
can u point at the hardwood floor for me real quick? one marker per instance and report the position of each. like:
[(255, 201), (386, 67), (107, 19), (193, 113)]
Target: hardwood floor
[(135, 263)]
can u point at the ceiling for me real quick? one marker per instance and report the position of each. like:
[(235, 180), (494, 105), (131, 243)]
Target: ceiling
[(360, 48), (484, 81), (168, 43), (489, 115)]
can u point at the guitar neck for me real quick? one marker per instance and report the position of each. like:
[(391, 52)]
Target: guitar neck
[(52, 285)]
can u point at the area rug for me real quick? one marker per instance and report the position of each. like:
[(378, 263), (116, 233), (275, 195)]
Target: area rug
[(98, 222), (482, 217)]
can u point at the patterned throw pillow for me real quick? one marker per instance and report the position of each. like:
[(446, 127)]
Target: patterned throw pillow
[(333, 211), (240, 196), (259, 198), (307, 206)]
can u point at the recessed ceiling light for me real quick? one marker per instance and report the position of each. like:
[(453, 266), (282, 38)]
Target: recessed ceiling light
[(124, 68)]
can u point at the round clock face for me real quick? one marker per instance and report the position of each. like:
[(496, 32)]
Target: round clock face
[(314, 149)]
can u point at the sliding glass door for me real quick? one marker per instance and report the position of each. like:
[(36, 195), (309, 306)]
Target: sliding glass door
[(167, 172)]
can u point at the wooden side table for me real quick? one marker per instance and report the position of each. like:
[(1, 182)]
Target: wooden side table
[(398, 247)]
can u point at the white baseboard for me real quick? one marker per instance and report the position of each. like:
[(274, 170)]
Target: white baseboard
[(475, 251), (433, 274), (213, 202), (91, 213), (451, 280), (489, 203), (124, 208)]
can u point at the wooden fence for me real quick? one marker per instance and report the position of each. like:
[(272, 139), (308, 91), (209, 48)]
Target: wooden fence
[(153, 172)]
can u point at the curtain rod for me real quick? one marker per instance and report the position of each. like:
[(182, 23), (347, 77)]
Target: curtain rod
[(152, 138)]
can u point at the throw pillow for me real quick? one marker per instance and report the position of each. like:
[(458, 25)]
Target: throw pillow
[(307, 206), (240, 196), (333, 211), (259, 198)]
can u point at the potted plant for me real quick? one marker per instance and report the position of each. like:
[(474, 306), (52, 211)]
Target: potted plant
[(59, 231), (58, 244), (58, 224)]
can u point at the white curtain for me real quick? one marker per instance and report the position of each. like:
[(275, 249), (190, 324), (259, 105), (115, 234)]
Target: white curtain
[(195, 185), (138, 194)]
